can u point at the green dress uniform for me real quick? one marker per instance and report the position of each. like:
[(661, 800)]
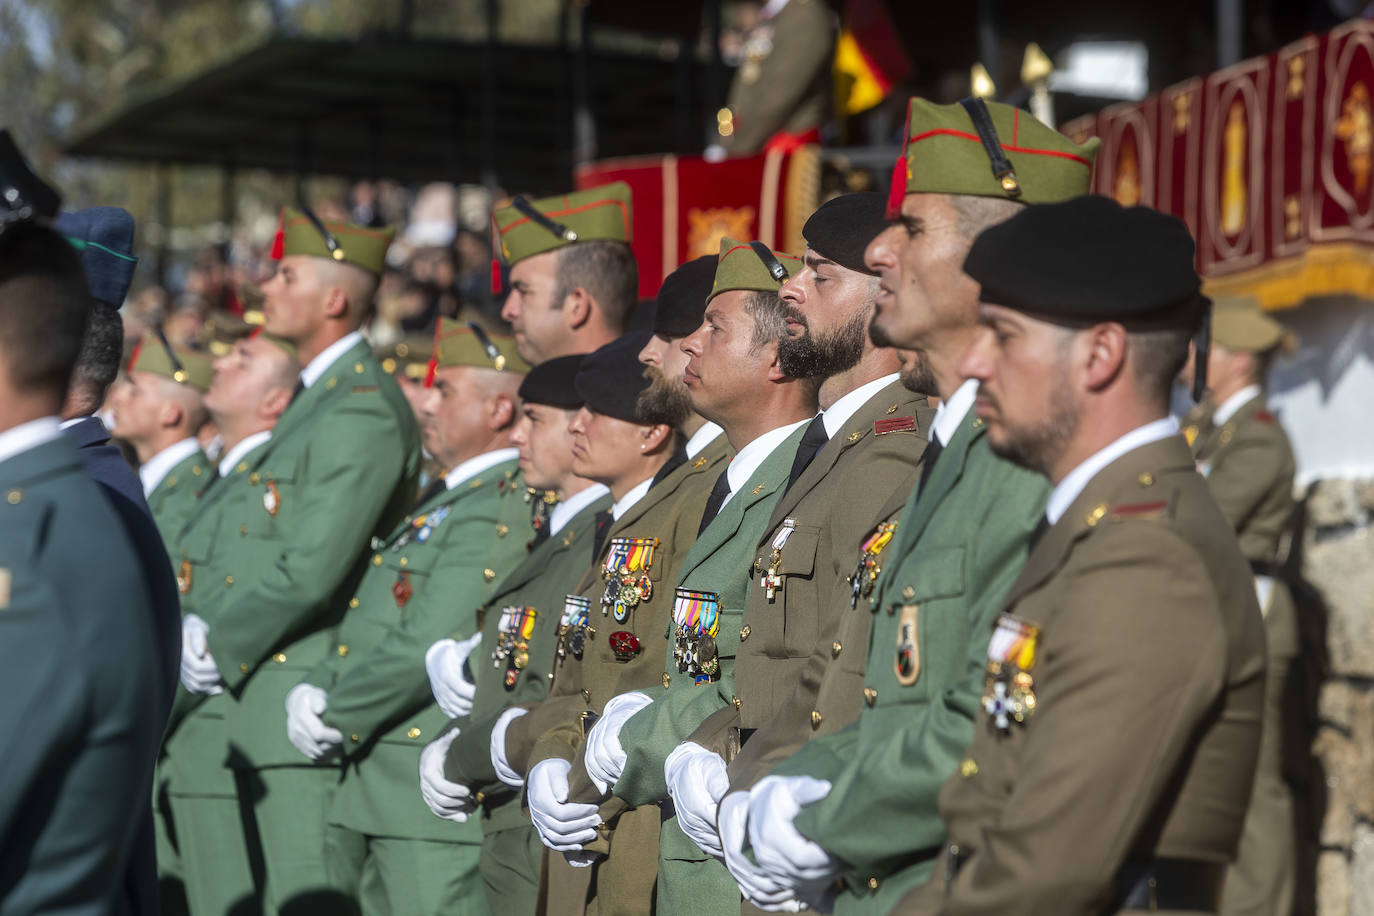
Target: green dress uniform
[(206, 822), (511, 852), (77, 652), (719, 566), (175, 499), (961, 540), (1135, 630), (670, 512), (425, 579), (1248, 463), (339, 469), (802, 586)]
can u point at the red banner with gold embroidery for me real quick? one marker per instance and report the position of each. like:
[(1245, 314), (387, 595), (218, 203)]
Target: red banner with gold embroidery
[(684, 205), (1268, 162)]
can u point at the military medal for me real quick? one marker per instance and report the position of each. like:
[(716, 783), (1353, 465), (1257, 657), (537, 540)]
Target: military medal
[(697, 618), (401, 589), (772, 577), (572, 629), (184, 578), (624, 644), (908, 664), (626, 574), (866, 574), (514, 630), (271, 499), (1008, 688)]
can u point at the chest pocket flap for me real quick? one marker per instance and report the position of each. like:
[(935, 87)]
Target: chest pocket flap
[(937, 573), (799, 551)]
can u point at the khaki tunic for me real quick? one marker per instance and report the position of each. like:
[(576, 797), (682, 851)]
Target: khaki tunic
[(1148, 673)]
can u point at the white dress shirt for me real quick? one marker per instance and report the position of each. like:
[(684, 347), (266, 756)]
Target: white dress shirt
[(328, 357), (748, 459), (28, 435), (837, 415), (1232, 405), (241, 448), (564, 511), (156, 468)]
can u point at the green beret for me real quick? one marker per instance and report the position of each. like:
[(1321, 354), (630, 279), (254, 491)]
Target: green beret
[(943, 153), (524, 228), (408, 356), (1238, 323), (188, 367), (297, 233), (752, 266), (463, 343)]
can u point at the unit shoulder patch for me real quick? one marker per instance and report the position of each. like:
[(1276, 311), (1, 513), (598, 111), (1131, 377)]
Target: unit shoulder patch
[(894, 425), (1150, 510)]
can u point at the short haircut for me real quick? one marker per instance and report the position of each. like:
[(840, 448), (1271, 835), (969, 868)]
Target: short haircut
[(978, 213), (770, 318), (102, 348), (605, 269), (44, 304), (1157, 357)]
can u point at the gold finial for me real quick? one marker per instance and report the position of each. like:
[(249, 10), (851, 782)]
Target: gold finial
[(981, 84), (1036, 66)]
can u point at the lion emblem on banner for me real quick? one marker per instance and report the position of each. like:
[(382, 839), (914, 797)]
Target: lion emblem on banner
[(705, 228)]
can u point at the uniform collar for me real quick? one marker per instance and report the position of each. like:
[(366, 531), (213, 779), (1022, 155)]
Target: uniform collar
[(564, 511), (474, 466), (240, 449), (748, 459), (629, 499), (1072, 485), (28, 435), (1232, 405), (702, 438), (838, 414), (156, 468), (950, 414), (327, 357)]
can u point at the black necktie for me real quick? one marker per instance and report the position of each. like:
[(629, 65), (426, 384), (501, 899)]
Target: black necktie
[(435, 487), (812, 441), (1041, 527), (678, 459), (300, 386), (603, 527), (933, 449), (715, 500)]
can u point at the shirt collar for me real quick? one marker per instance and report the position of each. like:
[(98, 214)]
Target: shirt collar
[(1073, 484), (629, 499), (563, 512), (748, 459), (951, 412), (772, 8), (160, 465), (28, 435), (474, 466), (68, 424), (702, 438), (838, 414), (241, 449), (328, 357), (1232, 405)]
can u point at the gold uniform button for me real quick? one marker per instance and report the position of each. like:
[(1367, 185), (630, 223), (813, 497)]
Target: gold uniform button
[(279, 658), (228, 580), (1095, 516), (243, 466), (502, 531), (870, 695), (353, 602), (908, 593), (243, 668), (1147, 479), (376, 559), (196, 470), (835, 648), (666, 679), (253, 477), (353, 738), (343, 651), (413, 733), (969, 768), (816, 718), (405, 561), (744, 633), (479, 797), (736, 701), (13, 497), (358, 368), (488, 574), (873, 884), (243, 531)]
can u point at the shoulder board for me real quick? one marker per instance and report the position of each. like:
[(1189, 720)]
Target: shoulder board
[(1265, 416), (894, 425), (1139, 510), (360, 389)]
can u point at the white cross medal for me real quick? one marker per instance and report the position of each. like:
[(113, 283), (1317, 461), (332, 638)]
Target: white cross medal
[(772, 577), (1008, 687)]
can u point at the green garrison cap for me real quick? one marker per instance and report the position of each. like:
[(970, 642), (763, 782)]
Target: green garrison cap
[(988, 149), (524, 228), (1238, 323), (155, 356), (408, 356), (464, 343), (282, 343), (301, 232), (753, 266), (221, 330)]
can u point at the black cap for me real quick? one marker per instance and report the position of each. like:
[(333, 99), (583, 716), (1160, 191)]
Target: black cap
[(842, 227), (612, 377), (105, 238), (23, 195), (681, 302), (553, 382)]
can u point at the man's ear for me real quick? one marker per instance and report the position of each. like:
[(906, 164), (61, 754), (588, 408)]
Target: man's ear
[(170, 414), (1101, 353), (577, 308), (501, 412), (770, 353), (336, 303), (275, 402)]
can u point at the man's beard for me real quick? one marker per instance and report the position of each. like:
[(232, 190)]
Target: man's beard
[(915, 374), (666, 400), (814, 356), (1039, 447)]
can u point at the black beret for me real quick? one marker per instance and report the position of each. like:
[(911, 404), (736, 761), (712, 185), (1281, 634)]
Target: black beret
[(682, 298), (105, 238), (612, 377), (842, 227), (1089, 259), (551, 382)]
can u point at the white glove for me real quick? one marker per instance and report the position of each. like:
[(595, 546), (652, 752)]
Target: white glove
[(783, 852), (504, 771), (696, 782), (605, 758), (307, 731), (199, 673), (451, 801), (444, 664), (758, 887), (562, 826)]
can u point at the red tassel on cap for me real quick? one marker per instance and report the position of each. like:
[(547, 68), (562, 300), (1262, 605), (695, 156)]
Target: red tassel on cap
[(279, 242), (495, 277), (434, 356), (897, 192), (133, 357)]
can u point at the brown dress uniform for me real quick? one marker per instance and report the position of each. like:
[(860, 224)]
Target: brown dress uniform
[(1113, 765), (1249, 467)]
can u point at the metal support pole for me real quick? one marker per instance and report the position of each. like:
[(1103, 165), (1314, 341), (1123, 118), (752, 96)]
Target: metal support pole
[(1229, 18), (228, 207), (989, 42), (164, 219), (487, 116)]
